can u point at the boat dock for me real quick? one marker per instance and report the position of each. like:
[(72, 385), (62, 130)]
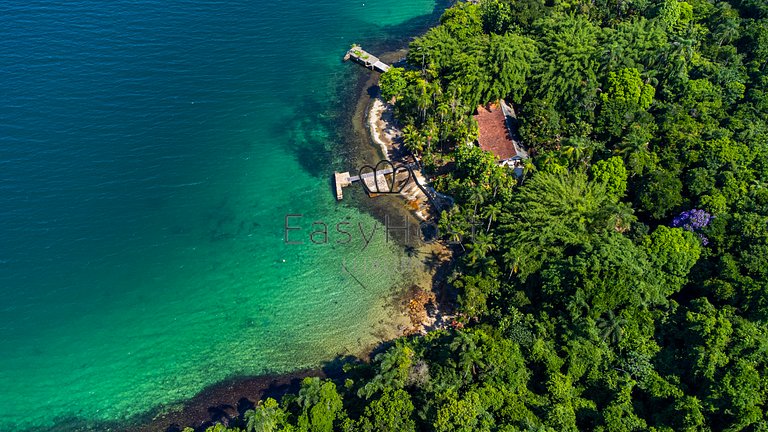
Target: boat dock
[(382, 182), (364, 58), (413, 188)]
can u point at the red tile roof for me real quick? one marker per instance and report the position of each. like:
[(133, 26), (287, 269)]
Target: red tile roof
[(494, 135)]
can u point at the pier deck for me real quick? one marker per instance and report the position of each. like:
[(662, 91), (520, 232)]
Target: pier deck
[(340, 181), (364, 58), (421, 198), (344, 179)]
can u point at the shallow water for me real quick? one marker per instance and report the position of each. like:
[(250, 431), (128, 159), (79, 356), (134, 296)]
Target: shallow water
[(149, 153)]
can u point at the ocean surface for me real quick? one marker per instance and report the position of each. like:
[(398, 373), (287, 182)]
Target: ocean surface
[(149, 154)]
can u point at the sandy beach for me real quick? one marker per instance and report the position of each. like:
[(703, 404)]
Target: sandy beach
[(384, 130)]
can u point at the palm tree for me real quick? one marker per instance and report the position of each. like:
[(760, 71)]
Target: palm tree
[(612, 55), (454, 224), (579, 150), (492, 212), (477, 197), (728, 29), (309, 394), (423, 98), (455, 102), (413, 139), (430, 133), (480, 247), (551, 158), (443, 109), (611, 327), (497, 180), (650, 77), (528, 168), (578, 306), (511, 259), (437, 93), (633, 148), (469, 354), (263, 418), (683, 48), (394, 367), (618, 217), (456, 237)]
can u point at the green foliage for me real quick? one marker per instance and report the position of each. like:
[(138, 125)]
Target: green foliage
[(497, 16), (395, 366), (541, 124), (567, 72), (674, 15), (555, 212), (474, 293), (673, 250), (221, 428), (508, 65), (609, 274), (267, 416), (392, 412), (635, 44), (613, 174), (660, 193), (624, 102), (392, 83), (320, 405), (502, 16), (628, 89), (462, 415), (463, 20)]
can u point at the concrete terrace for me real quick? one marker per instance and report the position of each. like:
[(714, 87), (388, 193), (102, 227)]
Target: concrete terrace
[(364, 58)]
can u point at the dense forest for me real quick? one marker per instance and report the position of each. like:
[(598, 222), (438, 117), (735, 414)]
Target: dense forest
[(620, 284)]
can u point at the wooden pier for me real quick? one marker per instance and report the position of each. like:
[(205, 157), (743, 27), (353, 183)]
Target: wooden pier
[(364, 58)]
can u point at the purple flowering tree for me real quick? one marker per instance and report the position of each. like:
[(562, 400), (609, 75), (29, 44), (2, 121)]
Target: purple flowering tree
[(693, 220)]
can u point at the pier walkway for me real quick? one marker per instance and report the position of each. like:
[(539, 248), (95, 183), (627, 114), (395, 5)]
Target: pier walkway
[(413, 188), (344, 179), (364, 58)]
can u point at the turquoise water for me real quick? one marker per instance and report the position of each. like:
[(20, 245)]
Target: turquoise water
[(149, 152)]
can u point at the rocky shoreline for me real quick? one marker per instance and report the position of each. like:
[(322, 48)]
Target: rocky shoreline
[(425, 301), (224, 401)]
